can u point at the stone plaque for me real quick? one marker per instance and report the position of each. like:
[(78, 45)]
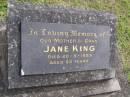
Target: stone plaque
[(60, 48), (87, 55)]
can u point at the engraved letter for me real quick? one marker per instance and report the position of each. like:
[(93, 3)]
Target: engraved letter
[(75, 48)]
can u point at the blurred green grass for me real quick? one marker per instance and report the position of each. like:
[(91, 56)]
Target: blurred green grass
[(3, 8), (120, 7)]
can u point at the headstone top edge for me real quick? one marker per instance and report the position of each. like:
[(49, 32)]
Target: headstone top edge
[(60, 8)]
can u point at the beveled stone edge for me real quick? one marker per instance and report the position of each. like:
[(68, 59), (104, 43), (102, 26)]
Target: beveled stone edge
[(97, 75), (15, 81), (3, 50), (42, 7), (75, 90)]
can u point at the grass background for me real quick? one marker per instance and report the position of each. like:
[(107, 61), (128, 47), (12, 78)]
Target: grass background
[(3, 8), (120, 7)]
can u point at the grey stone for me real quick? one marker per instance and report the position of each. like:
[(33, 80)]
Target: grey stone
[(3, 52), (81, 55), (40, 92), (50, 14), (74, 90), (106, 95), (2, 34)]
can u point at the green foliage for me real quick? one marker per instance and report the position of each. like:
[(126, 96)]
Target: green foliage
[(120, 7), (3, 8), (128, 75)]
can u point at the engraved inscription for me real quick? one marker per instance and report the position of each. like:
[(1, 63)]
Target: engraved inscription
[(63, 45)]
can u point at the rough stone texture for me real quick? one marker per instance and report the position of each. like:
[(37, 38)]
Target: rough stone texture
[(73, 90), (39, 92), (121, 76), (50, 14), (3, 46)]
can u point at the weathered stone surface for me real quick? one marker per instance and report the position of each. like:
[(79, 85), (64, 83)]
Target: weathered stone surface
[(73, 90), (2, 33), (47, 14), (3, 52), (122, 77), (107, 95), (40, 92)]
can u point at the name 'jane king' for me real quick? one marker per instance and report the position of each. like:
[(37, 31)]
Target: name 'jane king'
[(65, 49)]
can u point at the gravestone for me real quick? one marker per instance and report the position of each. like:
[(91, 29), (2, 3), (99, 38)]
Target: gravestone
[(26, 52), (60, 50)]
